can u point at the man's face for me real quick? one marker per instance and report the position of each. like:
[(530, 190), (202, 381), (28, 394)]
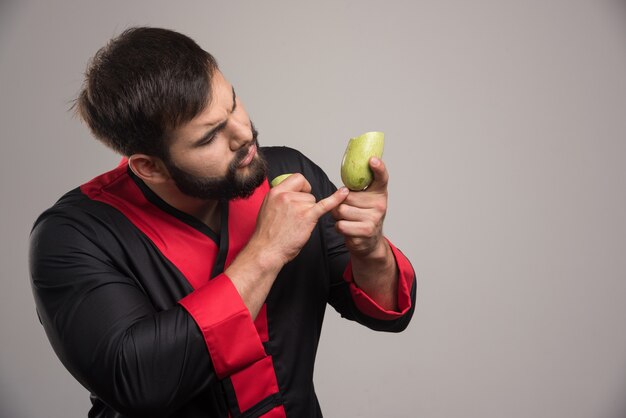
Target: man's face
[(214, 156)]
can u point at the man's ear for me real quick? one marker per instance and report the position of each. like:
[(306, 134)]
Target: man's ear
[(148, 168)]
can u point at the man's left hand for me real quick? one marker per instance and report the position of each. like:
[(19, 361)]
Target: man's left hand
[(360, 217)]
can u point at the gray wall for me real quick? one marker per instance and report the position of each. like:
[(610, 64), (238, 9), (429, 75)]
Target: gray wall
[(505, 142)]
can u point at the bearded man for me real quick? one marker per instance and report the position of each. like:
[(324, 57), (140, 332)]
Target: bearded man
[(179, 284)]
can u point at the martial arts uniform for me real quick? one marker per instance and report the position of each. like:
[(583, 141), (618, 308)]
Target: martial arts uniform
[(132, 295)]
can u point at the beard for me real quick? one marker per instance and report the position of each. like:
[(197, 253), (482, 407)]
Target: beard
[(233, 185)]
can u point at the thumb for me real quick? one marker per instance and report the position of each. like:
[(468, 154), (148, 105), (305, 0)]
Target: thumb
[(381, 175), (330, 203)]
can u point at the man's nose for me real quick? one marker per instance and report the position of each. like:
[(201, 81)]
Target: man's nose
[(240, 134)]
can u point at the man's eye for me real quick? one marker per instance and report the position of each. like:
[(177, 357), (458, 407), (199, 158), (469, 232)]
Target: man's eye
[(208, 139)]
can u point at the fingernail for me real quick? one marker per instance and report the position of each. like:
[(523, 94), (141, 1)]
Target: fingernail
[(344, 190), (375, 161)]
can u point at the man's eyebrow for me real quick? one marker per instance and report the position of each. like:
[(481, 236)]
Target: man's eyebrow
[(216, 128), (204, 138)]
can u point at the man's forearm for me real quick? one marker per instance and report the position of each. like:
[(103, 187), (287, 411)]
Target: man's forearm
[(377, 275), (253, 273)]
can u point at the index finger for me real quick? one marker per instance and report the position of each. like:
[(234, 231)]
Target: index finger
[(330, 203)]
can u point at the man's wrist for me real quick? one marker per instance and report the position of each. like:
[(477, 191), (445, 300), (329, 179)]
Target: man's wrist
[(377, 275), (379, 266), (262, 259), (252, 273), (379, 254)]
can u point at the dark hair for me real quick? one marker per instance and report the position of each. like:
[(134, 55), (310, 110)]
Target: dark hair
[(141, 86)]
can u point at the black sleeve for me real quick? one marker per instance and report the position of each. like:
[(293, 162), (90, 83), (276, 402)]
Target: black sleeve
[(104, 328), (286, 160)]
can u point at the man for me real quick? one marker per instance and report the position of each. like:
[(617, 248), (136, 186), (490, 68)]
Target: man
[(178, 284)]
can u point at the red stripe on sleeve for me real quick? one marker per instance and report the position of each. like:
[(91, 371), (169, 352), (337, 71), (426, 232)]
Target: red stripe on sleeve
[(368, 306), (254, 383), (226, 324)]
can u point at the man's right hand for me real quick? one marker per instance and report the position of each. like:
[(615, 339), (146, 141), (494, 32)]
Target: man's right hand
[(288, 215), (284, 225)]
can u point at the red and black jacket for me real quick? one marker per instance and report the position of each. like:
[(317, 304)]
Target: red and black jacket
[(132, 295)]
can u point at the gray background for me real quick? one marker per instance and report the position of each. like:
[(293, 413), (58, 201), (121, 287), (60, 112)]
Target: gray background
[(505, 143)]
